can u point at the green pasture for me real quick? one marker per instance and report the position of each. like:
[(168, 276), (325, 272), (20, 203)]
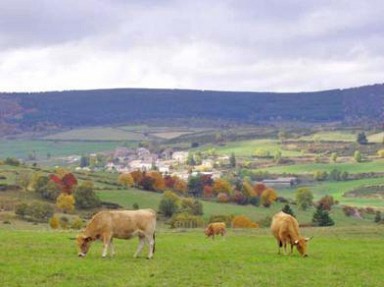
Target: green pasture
[(350, 167), (98, 134), (337, 257), (22, 148), (248, 148), (376, 138), (343, 136)]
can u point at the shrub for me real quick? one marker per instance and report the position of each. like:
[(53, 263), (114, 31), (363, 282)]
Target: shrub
[(221, 218), (21, 209), (77, 223), (192, 206), (265, 222), (326, 202), (54, 222), (35, 211), (169, 204), (66, 202), (222, 197), (64, 222), (239, 198), (268, 197), (85, 197), (186, 220), (241, 221)]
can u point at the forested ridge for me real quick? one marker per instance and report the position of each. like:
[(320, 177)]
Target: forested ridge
[(23, 111)]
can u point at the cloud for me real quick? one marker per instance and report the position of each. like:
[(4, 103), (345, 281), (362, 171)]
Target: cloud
[(219, 45)]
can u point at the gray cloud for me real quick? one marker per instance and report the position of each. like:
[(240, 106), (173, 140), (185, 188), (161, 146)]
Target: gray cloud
[(223, 45)]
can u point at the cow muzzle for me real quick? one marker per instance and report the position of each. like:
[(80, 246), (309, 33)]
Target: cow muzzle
[(81, 254)]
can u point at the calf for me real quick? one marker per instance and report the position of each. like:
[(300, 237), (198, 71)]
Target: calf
[(215, 228)]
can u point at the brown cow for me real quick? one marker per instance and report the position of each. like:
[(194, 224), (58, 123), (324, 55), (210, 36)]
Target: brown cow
[(121, 224), (215, 228), (285, 228)]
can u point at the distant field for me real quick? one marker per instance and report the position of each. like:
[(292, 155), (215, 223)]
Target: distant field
[(22, 148), (249, 147), (98, 134), (352, 167), (376, 138), (123, 133), (330, 136), (337, 257)]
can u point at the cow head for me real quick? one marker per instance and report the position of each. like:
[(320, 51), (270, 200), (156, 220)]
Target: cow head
[(301, 245), (83, 243), (208, 231)]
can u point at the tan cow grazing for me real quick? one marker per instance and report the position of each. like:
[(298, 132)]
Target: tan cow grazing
[(121, 224), (285, 228), (215, 228)]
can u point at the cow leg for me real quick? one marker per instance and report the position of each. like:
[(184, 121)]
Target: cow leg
[(111, 248), (279, 245), (140, 246), (106, 243), (151, 244)]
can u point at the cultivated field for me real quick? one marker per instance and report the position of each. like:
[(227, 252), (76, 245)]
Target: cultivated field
[(337, 257)]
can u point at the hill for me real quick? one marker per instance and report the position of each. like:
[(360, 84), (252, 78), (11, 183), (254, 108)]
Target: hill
[(47, 111)]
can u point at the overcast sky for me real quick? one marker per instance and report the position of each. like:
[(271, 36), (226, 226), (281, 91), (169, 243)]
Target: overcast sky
[(236, 45)]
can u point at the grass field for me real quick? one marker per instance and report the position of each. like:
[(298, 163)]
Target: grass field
[(337, 257), (249, 147), (330, 136), (350, 167), (22, 148)]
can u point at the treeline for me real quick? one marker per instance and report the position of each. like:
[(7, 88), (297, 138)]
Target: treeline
[(115, 106)]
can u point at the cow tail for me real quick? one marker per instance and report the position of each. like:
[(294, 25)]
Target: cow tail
[(154, 243)]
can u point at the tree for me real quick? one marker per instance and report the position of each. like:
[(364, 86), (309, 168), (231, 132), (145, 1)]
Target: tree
[(362, 138), (158, 181), (180, 186), (357, 156), (85, 197), (190, 160), (326, 202), (334, 157), (221, 185), (169, 204), (304, 198), (195, 186), (126, 179), (232, 160), (84, 161), (277, 156), (288, 210), (64, 180), (268, 197), (322, 218), (66, 202)]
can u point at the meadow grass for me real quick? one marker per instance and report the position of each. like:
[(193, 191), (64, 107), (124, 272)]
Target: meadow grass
[(350, 167), (22, 148), (248, 148), (337, 257), (98, 134), (331, 136)]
